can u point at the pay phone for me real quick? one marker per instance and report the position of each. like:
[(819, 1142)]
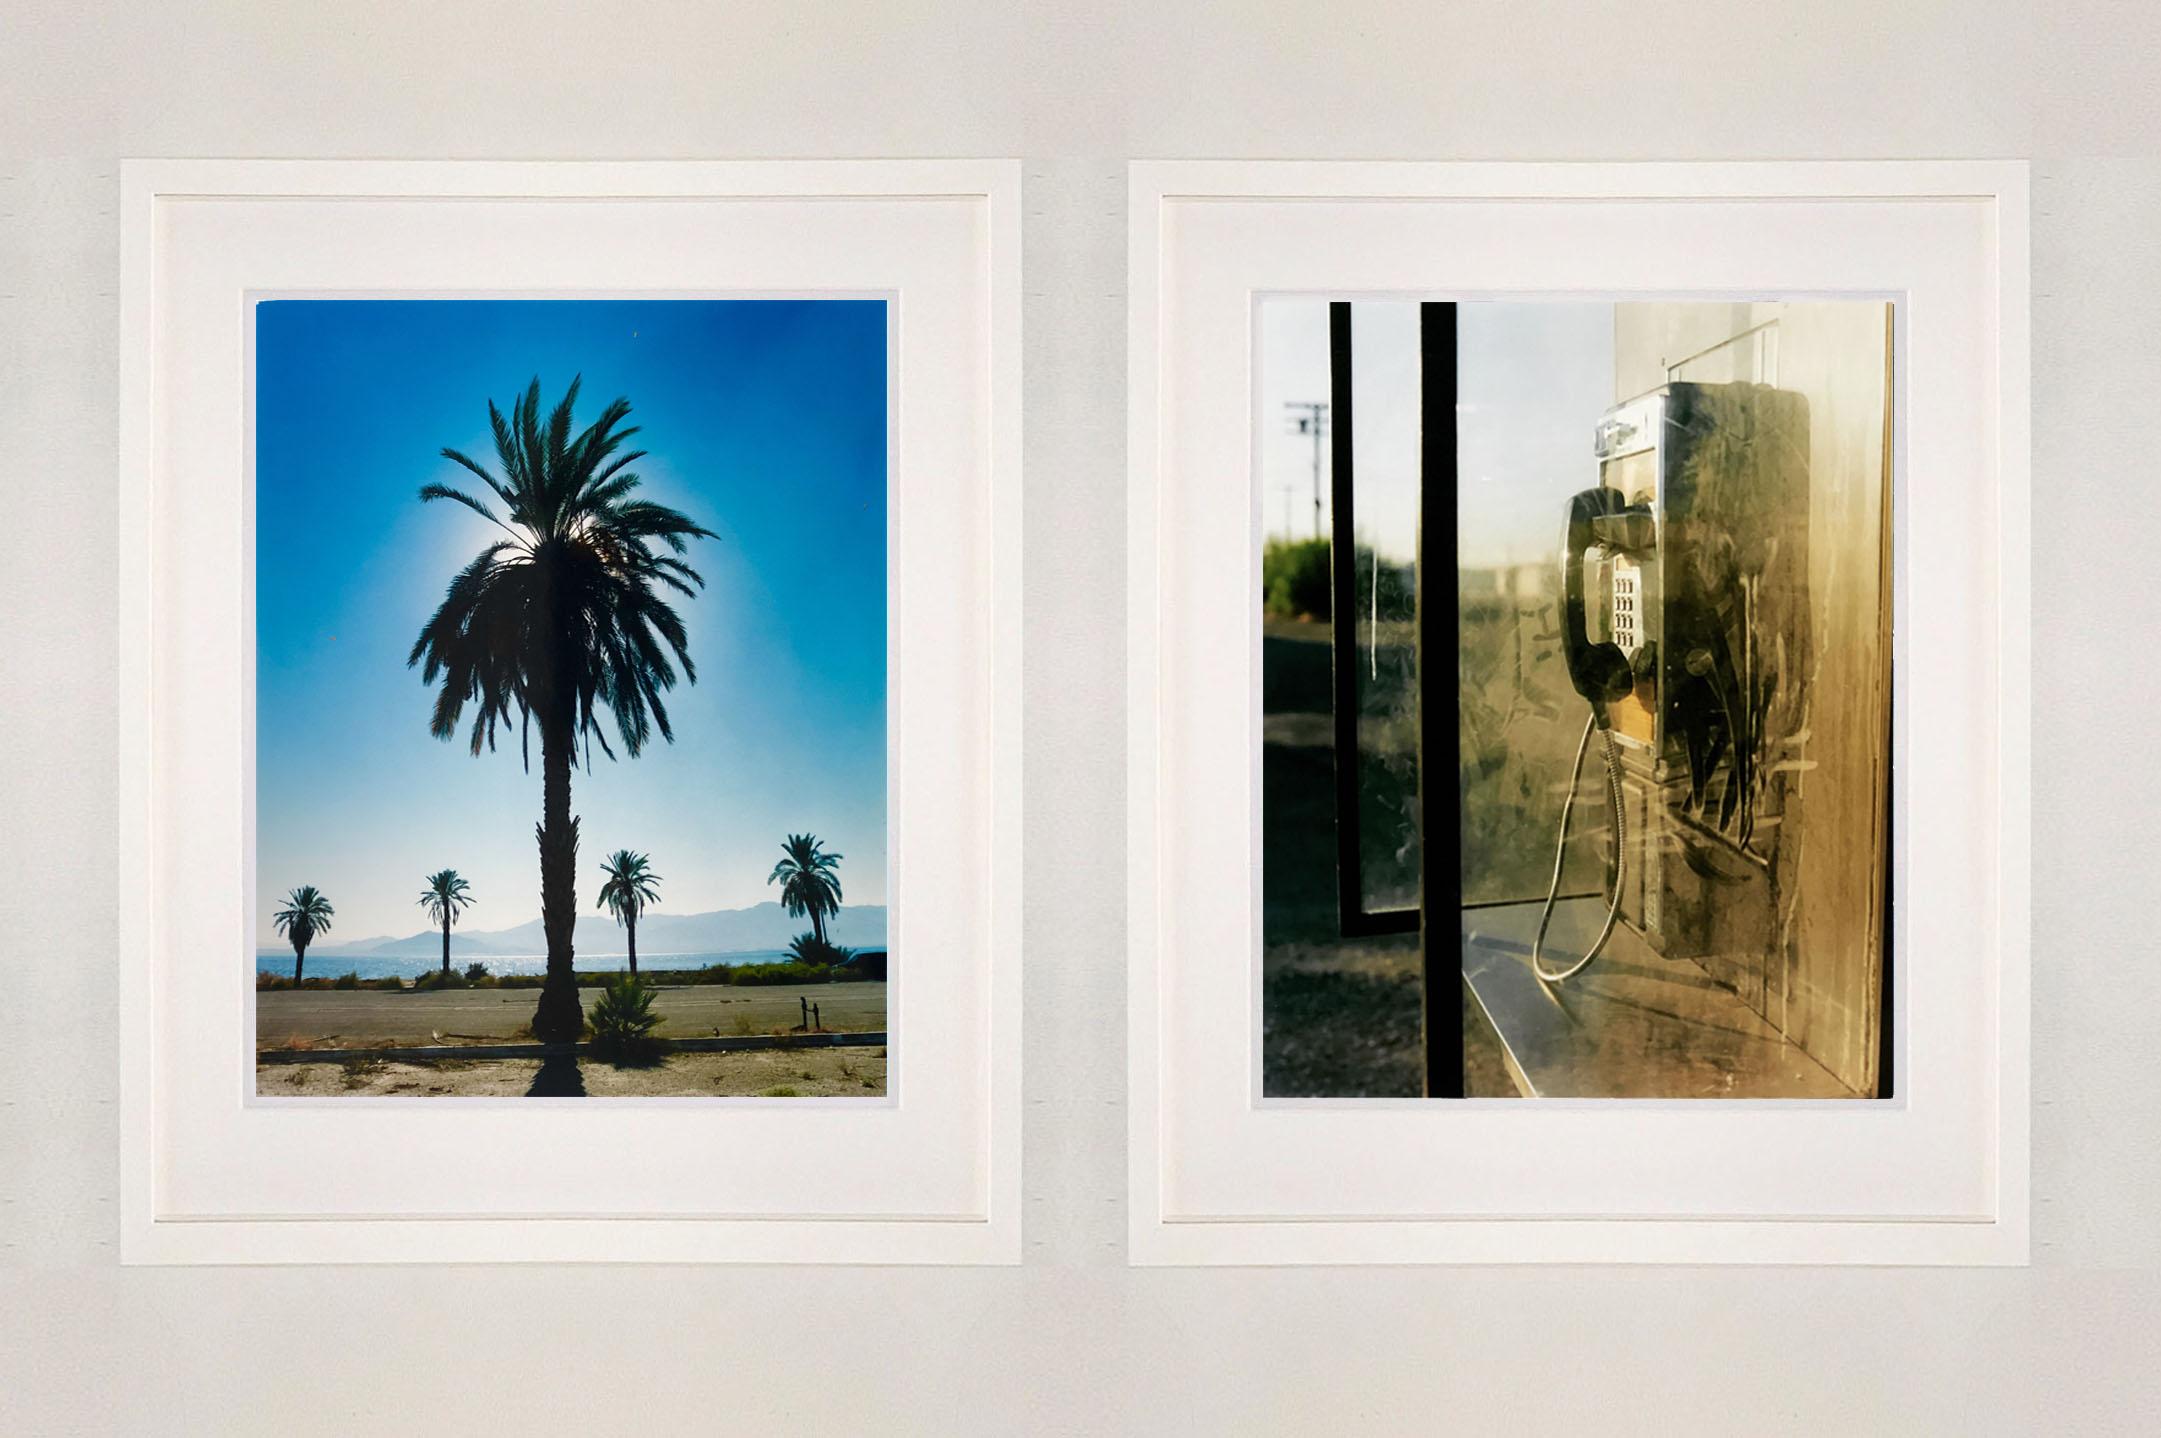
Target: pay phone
[(1684, 626)]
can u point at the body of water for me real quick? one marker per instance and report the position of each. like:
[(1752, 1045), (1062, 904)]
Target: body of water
[(408, 966)]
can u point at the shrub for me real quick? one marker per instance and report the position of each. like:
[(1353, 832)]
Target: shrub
[(867, 965), (1294, 578), (437, 979), (360, 1071), (475, 972), (623, 1021), (782, 973), (268, 983), (817, 952), (587, 979), (388, 983)]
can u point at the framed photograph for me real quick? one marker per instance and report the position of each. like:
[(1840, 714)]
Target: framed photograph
[(570, 752), (1578, 730)]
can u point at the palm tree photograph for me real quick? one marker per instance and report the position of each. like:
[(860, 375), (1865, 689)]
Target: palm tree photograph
[(446, 896), (809, 880), (529, 584), (306, 914), (630, 886)]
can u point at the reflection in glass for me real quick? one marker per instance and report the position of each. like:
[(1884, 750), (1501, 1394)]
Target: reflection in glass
[(1671, 545)]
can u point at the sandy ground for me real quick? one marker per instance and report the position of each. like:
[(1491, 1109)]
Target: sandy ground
[(360, 1018), (770, 1073)]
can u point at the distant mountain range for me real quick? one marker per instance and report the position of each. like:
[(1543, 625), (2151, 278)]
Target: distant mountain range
[(722, 931)]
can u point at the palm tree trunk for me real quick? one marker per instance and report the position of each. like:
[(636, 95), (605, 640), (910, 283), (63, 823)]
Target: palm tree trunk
[(560, 1018), (817, 924), (631, 928), (446, 943), (300, 956)]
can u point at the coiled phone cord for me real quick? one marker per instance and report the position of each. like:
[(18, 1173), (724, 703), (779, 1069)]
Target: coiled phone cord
[(1560, 850)]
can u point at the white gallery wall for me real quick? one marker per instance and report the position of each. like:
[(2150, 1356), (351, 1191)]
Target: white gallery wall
[(1074, 1340)]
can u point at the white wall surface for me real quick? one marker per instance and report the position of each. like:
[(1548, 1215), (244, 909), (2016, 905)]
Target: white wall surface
[(1074, 1341)]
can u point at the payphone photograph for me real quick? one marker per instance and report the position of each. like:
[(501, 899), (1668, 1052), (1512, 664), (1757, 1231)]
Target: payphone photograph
[(1576, 670)]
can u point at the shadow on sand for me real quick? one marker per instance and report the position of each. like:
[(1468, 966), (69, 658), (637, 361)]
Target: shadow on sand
[(559, 1077)]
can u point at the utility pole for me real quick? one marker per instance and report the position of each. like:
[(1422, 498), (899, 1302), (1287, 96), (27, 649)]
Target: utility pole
[(1310, 417)]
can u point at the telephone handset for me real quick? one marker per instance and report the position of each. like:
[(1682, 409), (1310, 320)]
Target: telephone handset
[(1600, 671), (1603, 673)]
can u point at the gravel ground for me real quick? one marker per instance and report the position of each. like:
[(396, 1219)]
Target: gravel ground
[(770, 1073)]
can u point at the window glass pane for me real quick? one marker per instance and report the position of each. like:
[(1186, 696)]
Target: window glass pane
[(1531, 381), (1385, 435), (1340, 1010), (1673, 686)]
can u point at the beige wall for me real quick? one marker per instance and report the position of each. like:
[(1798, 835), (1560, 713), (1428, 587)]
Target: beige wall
[(1074, 1342)]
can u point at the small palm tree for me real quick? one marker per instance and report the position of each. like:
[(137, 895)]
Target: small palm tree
[(623, 1021), (631, 886), (446, 895), (558, 624), (812, 950), (306, 914), (808, 881)]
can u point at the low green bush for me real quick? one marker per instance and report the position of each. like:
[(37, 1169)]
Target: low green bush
[(865, 966), (781, 973), (1295, 578), (587, 979), (623, 1021), (868, 964), (281, 983), (347, 982)]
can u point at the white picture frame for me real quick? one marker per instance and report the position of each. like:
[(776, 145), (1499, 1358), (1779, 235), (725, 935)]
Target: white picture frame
[(1937, 1174), (928, 1176)]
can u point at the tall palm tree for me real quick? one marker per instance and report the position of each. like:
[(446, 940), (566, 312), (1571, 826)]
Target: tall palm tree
[(306, 914), (808, 881), (631, 886), (559, 622), (446, 895)]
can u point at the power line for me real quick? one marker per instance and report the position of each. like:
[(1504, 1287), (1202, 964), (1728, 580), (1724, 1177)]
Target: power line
[(1310, 417)]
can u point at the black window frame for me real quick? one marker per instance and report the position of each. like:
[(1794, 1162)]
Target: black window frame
[(1353, 917), (1437, 917)]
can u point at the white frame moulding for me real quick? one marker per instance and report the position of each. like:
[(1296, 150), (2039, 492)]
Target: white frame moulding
[(941, 240), (1935, 1175)]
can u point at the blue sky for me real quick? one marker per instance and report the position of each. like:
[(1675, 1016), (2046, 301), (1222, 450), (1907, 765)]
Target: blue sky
[(766, 422)]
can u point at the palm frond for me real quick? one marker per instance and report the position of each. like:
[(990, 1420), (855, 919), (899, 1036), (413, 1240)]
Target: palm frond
[(631, 885), (307, 913), (569, 616)]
